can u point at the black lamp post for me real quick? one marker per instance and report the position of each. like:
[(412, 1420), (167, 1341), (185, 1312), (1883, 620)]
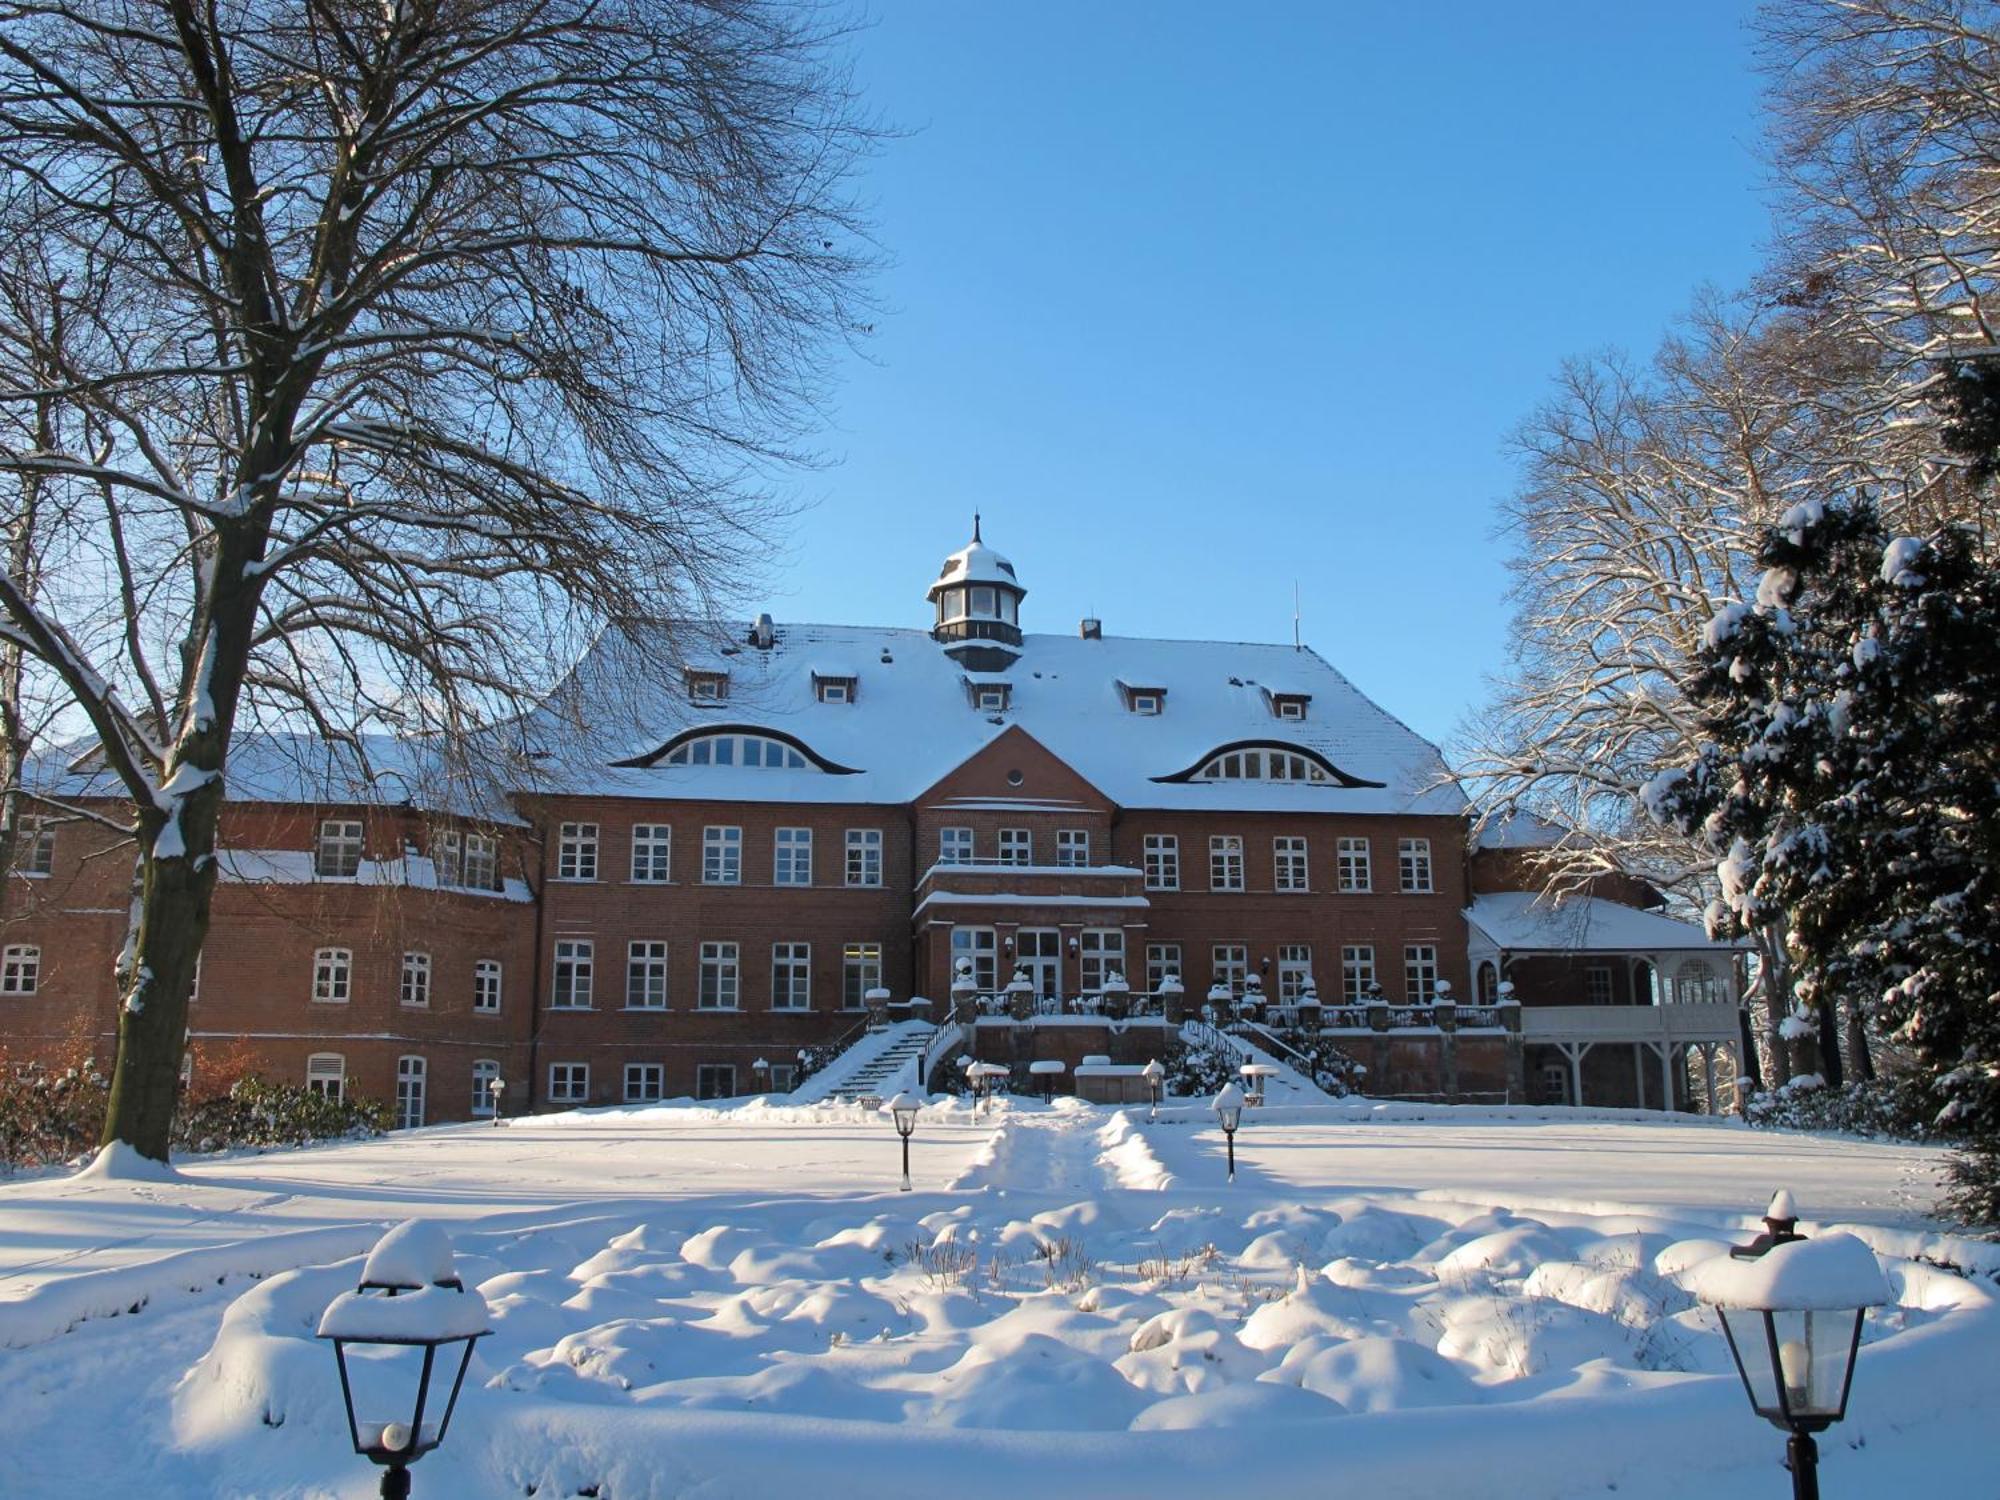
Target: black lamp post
[(410, 1297), (495, 1090), (903, 1109), (1791, 1308), (1229, 1111), (1156, 1077), (760, 1070)]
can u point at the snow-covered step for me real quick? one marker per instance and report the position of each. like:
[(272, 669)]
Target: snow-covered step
[(867, 1065)]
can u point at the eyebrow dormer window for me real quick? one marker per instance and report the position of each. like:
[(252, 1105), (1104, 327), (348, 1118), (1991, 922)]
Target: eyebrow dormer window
[(1261, 765), (708, 687), (750, 750)]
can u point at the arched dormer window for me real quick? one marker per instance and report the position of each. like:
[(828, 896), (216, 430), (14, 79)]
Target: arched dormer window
[(745, 746), (1264, 761)]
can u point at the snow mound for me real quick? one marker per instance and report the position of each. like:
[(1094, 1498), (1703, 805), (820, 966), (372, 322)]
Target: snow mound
[(119, 1162)]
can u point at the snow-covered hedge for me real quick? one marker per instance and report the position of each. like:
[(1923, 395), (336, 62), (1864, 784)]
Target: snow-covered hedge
[(1897, 1109)]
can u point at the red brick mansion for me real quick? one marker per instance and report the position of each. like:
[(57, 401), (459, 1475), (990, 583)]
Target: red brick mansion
[(697, 883)]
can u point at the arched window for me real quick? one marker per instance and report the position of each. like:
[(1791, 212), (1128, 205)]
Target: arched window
[(1696, 983), (1262, 763), (20, 969), (754, 750)]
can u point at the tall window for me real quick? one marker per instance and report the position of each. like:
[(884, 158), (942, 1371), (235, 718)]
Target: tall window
[(1229, 963), (448, 856), (646, 976), (721, 986), (981, 947), (1225, 862), (864, 856), (1295, 966), (410, 1074), (791, 976), (333, 975), (715, 1080), (337, 850), (1100, 951), (486, 987), (954, 846), (416, 984), (1073, 846), (38, 851), (1017, 846), (721, 856), (1355, 874), (860, 972), (645, 1082), (1414, 858), (575, 959), (569, 1083), (1420, 973), (1162, 959), (1288, 856), (485, 1073), (20, 969), (1357, 972), (576, 852), (1597, 984), (326, 1075), (792, 857), (1163, 862), (482, 862), (652, 853)]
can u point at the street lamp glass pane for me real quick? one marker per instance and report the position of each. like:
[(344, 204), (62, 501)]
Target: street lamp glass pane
[(1813, 1349), (1750, 1337)]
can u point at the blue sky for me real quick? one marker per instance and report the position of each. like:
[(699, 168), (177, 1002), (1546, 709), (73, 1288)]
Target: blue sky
[(1192, 301)]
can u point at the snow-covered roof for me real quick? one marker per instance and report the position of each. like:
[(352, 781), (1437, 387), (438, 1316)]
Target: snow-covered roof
[(911, 722), (976, 563), (1528, 922), (1519, 829)]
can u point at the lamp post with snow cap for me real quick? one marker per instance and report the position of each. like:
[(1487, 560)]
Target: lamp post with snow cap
[(410, 1298), (495, 1090), (1156, 1077), (903, 1109), (760, 1070), (1229, 1112), (1791, 1308)]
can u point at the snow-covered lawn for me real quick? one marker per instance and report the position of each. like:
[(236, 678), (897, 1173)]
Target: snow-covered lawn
[(728, 1304)]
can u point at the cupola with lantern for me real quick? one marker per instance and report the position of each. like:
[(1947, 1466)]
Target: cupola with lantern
[(978, 603)]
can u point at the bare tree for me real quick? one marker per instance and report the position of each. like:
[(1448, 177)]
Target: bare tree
[(406, 343)]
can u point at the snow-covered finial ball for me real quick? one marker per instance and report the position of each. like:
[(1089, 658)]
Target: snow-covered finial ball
[(395, 1437), (1782, 1206)]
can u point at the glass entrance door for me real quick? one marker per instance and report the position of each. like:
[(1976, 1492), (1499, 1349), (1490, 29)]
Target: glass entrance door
[(1039, 951)]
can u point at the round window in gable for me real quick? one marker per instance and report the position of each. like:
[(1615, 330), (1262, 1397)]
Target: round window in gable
[(1015, 778)]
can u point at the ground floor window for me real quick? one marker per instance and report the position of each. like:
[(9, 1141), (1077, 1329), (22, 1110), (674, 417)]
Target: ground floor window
[(784, 1077), (569, 1083), (1100, 952), (326, 1075), (645, 1082), (1420, 973), (980, 947), (1295, 970), (1162, 959), (485, 1074), (1489, 985), (1357, 972), (715, 1081), (410, 1073), (860, 972), (1229, 964)]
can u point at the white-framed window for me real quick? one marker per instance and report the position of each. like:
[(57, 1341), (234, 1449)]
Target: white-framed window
[(1413, 858), (1145, 703), (1356, 867), (860, 972), (1288, 863), (333, 975), (646, 976), (1225, 862), (1272, 763), (1295, 967), (715, 1080), (954, 846), (482, 862), (486, 987), (38, 847), (1597, 984), (194, 983), (652, 853), (448, 856), (864, 856), (721, 855), (1163, 862), (1072, 846), (792, 857), (1288, 706), (485, 1073), (835, 689), (784, 1077), (645, 1082), (991, 700), (337, 849), (1229, 963), (575, 965), (708, 687), (1100, 951), (791, 976), (326, 1075), (1420, 973), (569, 1083), (20, 969), (1162, 959), (1017, 846), (721, 977), (411, 1075), (415, 987), (576, 852), (1357, 971), (1696, 983), (981, 947), (758, 752)]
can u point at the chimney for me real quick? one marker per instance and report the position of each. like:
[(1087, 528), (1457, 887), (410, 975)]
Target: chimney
[(763, 634), (1090, 628)]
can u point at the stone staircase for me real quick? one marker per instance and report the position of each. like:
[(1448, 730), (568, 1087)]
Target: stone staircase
[(876, 1066)]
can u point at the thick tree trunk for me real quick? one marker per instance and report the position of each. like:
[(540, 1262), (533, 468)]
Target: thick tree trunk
[(1860, 1057), (1774, 985), (1752, 1069), (172, 917), (1829, 1044)]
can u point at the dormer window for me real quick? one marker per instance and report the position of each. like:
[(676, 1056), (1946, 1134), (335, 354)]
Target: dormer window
[(836, 692), (1261, 765), (990, 700), (707, 686), (834, 684), (753, 750), (1142, 700), (1145, 703), (1290, 706)]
